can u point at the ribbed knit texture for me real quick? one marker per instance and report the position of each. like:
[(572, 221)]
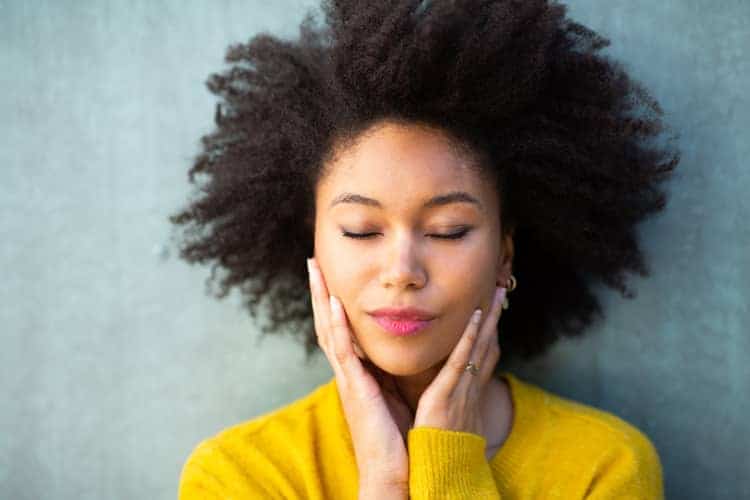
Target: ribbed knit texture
[(466, 475), (557, 449)]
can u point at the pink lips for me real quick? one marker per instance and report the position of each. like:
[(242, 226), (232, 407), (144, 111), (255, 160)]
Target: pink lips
[(401, 327)]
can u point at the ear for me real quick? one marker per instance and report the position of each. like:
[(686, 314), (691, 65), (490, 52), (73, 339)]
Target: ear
[(505, 259)]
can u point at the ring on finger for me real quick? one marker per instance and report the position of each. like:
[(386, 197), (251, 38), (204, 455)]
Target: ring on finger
[(472, 368)]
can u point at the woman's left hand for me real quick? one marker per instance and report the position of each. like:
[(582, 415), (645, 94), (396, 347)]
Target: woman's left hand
[(452, 401)]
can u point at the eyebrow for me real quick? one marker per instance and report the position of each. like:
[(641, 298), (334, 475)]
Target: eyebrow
[(435, 201)]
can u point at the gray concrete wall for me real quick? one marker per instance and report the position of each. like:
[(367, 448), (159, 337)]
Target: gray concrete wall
[(114, 363)]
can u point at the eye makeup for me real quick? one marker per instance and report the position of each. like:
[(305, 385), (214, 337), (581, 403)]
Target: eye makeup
[(456, 235)]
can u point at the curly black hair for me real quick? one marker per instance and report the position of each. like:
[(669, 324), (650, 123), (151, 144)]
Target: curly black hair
[(569, 137)]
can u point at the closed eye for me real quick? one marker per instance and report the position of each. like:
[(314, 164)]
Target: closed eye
[(452, 236)]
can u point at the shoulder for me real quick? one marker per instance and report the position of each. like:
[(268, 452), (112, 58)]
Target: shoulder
[(623, 461), (606, 452), (244, 458), (285, 421), (563, 417), (603, 433), (294, 418)]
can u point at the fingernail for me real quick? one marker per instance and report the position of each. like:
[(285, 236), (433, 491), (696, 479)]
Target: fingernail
[(334, 302), (477, 314), (311, 273)]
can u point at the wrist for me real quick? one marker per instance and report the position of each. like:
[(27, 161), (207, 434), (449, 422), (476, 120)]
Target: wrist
[(378, 488), (381, 491)]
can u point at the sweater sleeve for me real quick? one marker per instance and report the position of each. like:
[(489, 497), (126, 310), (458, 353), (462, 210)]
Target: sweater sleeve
[(210, 473), (631, 471), (449, 465)]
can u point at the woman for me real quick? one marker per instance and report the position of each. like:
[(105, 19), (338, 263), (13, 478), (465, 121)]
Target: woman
[(431, 157)]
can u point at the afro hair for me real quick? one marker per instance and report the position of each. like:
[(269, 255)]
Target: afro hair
[(567, 134)]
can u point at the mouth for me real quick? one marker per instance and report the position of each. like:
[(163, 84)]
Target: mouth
[(401, 327)]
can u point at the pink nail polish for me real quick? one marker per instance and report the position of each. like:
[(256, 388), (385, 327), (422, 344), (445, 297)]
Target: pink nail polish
[(476, 316)]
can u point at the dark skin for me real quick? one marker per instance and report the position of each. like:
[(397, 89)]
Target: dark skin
[(389, 384)]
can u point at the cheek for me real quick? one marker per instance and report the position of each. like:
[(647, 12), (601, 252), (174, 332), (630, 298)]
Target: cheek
[(341, 269), (467, 280)]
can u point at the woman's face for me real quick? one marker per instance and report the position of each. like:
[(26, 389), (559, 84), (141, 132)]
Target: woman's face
[(404, 262)]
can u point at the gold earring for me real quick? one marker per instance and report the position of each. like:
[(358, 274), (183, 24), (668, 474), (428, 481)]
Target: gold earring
[(510, 286)]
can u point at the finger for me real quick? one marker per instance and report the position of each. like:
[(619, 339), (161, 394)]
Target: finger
[(322, 311), (447, 379), (334, 332), (314, 303), (490, 362), (489, 350), (342, 346), (319, 296)]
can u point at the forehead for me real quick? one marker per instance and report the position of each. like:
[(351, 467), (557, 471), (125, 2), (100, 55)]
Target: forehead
[(401, 165)]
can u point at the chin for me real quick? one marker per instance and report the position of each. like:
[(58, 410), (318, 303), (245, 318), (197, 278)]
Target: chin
[(403, 364), (405, 356)]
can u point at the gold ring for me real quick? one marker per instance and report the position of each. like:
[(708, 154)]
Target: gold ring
[(471, 368)]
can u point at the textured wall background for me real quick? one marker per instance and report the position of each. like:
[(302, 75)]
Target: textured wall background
[(114, 363)]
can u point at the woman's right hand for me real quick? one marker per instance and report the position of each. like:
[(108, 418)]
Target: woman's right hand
[(371, 411)]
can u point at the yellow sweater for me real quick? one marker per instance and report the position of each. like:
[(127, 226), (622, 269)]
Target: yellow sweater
[(557, 449)]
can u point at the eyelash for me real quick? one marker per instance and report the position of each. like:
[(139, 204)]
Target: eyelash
[(453, 236)]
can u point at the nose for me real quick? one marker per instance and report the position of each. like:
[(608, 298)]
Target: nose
[(402, 266)]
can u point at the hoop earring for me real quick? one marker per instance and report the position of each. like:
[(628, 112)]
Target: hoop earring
[(510, 286)]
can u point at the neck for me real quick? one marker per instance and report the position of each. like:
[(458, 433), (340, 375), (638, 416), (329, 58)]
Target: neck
[(495, 402), (411, 387)]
